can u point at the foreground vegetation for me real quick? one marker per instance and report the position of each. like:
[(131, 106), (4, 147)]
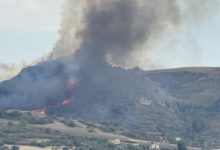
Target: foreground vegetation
[(16, 129), (29, 130)]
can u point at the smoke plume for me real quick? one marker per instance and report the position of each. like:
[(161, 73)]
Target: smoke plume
[(117, 29)]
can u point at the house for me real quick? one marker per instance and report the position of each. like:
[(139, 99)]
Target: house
[(115, 142), (154, 146)]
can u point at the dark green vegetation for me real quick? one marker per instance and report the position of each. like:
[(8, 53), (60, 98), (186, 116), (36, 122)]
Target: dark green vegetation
[(181, 146), (66, 134), (28, 117), (19, 131)]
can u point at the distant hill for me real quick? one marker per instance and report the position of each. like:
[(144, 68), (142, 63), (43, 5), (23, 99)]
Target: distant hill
[(152, 104)]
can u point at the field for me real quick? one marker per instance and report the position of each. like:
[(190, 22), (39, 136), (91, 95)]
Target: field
[(30, 131), (23, 147)]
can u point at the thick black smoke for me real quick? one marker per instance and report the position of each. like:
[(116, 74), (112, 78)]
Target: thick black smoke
[(118, 28)]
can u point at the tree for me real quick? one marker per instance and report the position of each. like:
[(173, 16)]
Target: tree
[(1, 143), (71, 124), (65, 148), (181, 145), (15, 148)]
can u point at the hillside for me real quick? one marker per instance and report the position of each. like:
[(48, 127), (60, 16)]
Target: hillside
[(198, 99), (151, 104)]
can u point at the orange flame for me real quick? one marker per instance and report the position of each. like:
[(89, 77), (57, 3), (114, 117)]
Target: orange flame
[(71, 84), (63, 103), (42, 112), (66, 102)]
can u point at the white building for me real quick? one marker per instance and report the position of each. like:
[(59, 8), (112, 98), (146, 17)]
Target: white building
[(155, 146), (115, 142)]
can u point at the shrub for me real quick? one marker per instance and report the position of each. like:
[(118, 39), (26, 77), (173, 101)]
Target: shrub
[(14, 115), (15, 147), (38, 120), (65, 148), (1, 143), (71, 124), (181, 145)]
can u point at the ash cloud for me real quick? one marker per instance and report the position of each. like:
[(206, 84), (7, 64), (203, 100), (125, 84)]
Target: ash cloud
[(117, 28)]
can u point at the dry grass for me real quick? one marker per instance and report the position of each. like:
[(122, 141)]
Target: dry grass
[(33, 148), (23, 147)]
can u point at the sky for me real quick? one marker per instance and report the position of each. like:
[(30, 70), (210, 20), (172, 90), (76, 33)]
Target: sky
[(29, 30), (192, 44)]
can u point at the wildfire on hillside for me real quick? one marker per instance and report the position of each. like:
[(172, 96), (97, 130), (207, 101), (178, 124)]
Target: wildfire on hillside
[(43, 111), (63, 103), (71, 84), (66, 102)]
